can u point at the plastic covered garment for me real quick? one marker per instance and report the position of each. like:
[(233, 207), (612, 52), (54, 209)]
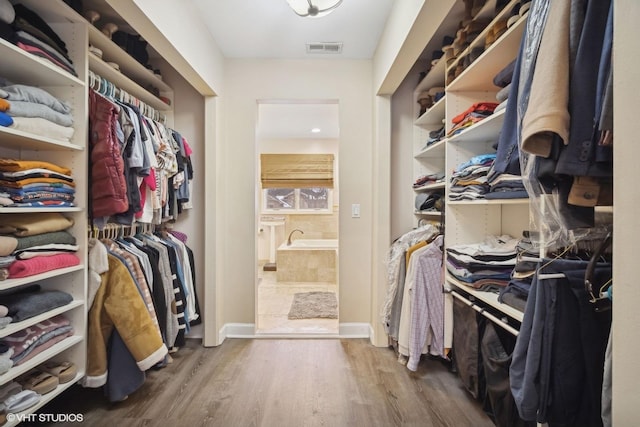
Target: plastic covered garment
[(563, 165), (394, 259)]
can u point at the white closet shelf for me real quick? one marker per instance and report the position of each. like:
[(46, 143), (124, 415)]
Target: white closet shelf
[(12, 283), (54, 11), (489, 202), (111, 52), (436, 150), (479, 75), (47, 398), (47, 354), (27, 141), (430, 187), (19, 65), (15, 327), (434, 116), (8, 210), (428, 213), (487, 129), (434, 78), (489, 298), (103, 69)]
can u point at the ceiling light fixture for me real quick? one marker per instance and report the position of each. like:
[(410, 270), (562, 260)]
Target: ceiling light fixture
[(315, 130), (313, 9)]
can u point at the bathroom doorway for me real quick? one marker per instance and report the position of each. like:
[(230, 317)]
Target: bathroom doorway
[(297, 199)]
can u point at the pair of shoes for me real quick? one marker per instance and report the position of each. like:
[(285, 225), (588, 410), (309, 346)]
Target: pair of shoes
[(498, 29), (40, 382), (64, 371), (519, 10), (426, 101)]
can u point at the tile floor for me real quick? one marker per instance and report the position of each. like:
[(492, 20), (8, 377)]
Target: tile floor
[(274, 302)]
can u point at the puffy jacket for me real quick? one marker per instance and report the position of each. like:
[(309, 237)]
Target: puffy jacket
[(108, 186)]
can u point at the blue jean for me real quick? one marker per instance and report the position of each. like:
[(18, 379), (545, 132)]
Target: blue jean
[(556, 373)]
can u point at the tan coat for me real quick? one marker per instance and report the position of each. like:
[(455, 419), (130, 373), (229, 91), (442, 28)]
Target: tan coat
[(118, 305), (548, 108)]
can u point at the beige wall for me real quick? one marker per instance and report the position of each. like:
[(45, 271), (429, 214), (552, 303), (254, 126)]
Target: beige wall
[(246, 83)]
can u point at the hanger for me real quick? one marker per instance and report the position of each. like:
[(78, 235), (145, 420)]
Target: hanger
[(601, 301)]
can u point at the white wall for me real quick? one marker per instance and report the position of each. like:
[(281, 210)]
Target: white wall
[(247, 82)]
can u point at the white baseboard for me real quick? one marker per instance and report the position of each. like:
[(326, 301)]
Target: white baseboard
[(355, 330), (247, 331), (237, 330)]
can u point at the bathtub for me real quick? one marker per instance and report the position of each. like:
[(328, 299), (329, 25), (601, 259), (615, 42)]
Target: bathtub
[(319, 244), (308, 260)]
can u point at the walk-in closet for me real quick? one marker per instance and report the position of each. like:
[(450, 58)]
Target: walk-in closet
[(486, 212)]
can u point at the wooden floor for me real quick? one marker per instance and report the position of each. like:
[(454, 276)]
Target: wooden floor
[(280, 383)]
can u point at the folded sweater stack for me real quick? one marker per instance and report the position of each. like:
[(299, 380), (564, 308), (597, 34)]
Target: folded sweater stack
[(34, 243), (34, 110)]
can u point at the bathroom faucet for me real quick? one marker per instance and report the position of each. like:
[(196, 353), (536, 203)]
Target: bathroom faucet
[(289, 239)]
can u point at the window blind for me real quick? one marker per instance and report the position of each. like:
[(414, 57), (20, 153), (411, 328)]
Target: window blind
[(296, 170)]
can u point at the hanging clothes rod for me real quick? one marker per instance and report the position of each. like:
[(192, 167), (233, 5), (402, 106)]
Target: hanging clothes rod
[(110, 90), (486, 314)]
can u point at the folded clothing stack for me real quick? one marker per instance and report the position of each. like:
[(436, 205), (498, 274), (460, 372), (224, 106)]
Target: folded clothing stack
[(34, 110), (28, 343), (27, 301), (503, 80), (472, 115), (485, 266), (469, 179), (423, 180), (27, 183), (34, 243), (434, 136), (27, 30), (516, 292)]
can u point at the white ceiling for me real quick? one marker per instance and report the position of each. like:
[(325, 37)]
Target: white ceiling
[(270, 28)]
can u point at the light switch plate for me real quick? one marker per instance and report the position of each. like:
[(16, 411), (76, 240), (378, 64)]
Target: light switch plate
[(355, 210)]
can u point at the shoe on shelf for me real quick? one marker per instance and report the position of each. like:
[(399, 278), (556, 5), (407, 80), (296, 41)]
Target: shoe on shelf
[(514, 16), (524, 7)]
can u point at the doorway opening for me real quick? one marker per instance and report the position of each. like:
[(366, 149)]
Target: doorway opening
[(297, 201)]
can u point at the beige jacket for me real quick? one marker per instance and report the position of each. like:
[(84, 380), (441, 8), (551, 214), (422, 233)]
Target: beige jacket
[(118, 305), (547, 111)]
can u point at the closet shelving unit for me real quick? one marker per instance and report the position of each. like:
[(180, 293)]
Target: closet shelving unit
[(21, 67), (470, 221), (133, 77)]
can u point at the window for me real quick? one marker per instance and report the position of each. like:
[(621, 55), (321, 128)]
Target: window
[(297, 200)]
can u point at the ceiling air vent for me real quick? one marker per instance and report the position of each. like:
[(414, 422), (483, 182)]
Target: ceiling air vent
[(325, 47)]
